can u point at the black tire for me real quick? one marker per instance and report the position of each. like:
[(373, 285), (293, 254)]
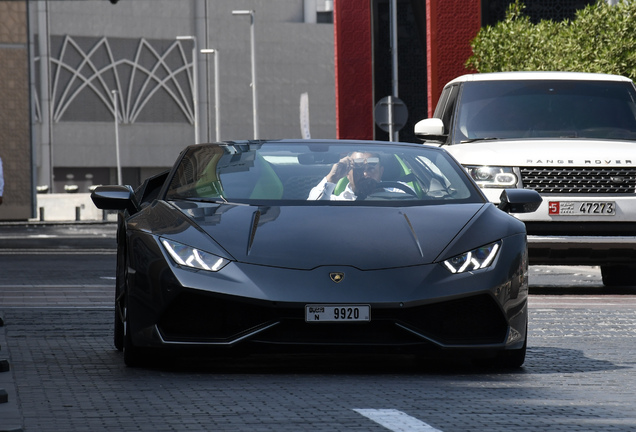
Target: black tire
[(118, 334), (120, 289), (134, 356), (508, 359), (513, 359), (618, 275)]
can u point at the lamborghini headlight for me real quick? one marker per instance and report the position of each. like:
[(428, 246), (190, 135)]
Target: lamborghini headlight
[(194, 258), (475, 259), (493, 177)]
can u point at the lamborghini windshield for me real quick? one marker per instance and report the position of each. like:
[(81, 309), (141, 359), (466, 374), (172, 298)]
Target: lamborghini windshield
[(545, 109), (318, 172)]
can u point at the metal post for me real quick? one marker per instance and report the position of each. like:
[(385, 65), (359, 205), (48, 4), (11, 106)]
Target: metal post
[(217, 98), (116, 115), (393, 135), (253, 55), (46, 170), (195, 84)]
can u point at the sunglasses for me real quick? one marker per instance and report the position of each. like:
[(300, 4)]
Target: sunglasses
[(370, 162)]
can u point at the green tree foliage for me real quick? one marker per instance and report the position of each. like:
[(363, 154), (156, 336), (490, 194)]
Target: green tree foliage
[(601, 38)]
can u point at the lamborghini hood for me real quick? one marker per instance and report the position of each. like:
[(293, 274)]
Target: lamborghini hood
[(306, 237)]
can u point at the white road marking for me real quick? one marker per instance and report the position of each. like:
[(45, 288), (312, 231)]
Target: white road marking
[(395, 420)]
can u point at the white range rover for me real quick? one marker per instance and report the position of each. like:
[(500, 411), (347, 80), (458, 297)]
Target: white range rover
[(569, 136)]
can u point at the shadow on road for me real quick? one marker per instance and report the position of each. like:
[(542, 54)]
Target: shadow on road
[(539, 360)]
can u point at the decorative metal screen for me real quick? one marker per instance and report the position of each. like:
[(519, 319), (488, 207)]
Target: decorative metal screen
[(153, 79)]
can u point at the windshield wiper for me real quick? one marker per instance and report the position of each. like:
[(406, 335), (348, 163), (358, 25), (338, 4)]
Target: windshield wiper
[(478, 139)]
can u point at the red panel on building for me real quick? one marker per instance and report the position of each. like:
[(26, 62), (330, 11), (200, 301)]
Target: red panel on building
[(450, 27), (353, 68)]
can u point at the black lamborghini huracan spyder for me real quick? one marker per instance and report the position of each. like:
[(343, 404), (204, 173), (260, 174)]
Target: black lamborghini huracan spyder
[(319, 245)]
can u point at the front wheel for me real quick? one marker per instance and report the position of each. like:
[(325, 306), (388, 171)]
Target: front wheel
[(118, 334), (120, 287), (513, 359), (134, 356), (118, 337), (507, 359)]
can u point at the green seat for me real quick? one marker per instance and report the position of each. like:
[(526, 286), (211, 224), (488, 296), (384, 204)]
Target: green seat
[(413, 184), (263, 182), (208, 184), (268, 185)]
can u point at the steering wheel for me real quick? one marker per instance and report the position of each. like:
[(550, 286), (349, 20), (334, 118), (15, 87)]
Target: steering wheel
[(397, 185)]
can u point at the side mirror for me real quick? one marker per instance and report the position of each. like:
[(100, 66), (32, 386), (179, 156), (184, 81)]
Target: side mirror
[(519, 200), (430, 129), (115, 198)]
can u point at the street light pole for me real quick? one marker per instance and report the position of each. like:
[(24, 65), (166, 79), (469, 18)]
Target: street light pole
[(116, 114), (217, 104), (393, 134), (254, 92), (195, 84)]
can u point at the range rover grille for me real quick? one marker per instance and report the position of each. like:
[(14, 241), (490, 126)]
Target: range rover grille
[(614, 180)]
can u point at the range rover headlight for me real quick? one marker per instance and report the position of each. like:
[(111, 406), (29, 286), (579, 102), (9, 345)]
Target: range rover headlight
[(475, 259), (493, 177), (194, 258)]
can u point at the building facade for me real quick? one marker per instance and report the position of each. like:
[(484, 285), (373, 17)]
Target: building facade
[(133, 55), (91, 92), (15, 142)]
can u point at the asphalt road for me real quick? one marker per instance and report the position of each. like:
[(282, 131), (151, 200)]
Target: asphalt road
[(56, 304)]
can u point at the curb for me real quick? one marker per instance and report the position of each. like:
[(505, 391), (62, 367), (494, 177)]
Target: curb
[(57, 236), (50, 223)]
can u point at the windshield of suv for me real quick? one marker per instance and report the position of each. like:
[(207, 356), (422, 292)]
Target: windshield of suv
[(546, 109), (298, 173)]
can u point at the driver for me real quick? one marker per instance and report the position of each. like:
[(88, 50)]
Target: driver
[(364, 172)]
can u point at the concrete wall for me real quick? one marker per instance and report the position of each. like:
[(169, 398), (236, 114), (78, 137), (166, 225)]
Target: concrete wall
[(65, 207), (15, 142)]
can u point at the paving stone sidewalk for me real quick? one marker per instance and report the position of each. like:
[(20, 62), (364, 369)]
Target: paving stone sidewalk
[(579, 376)]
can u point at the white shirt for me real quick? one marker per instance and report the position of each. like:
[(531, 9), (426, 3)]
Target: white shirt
[(324, 191)]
